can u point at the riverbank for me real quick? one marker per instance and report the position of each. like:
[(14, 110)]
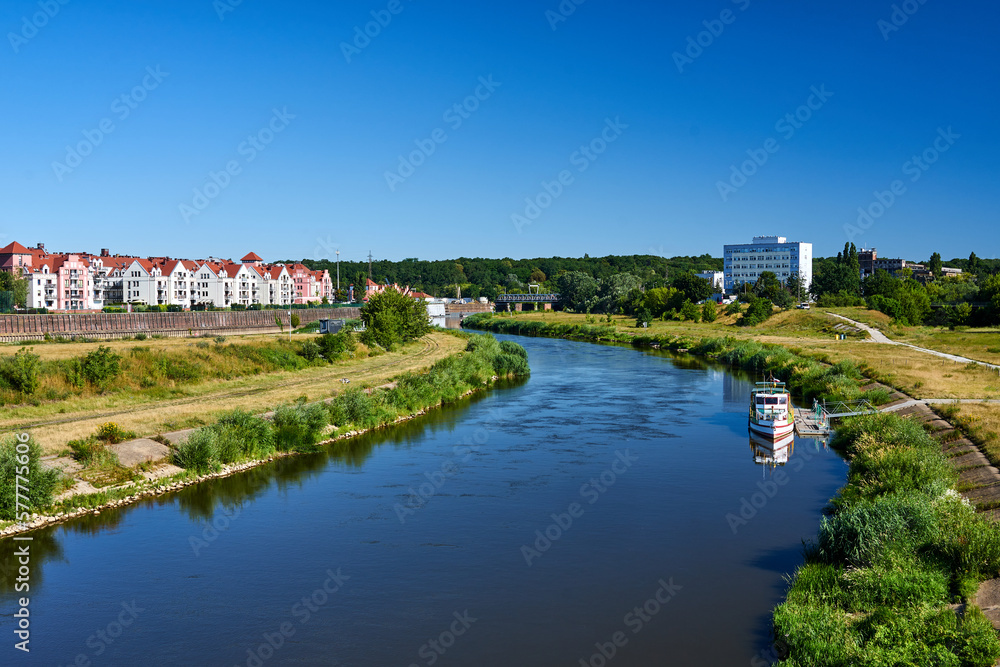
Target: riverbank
[(894, 574), (183, 383), (240, 440)]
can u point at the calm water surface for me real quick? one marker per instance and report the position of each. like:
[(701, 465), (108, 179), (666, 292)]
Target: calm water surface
[(435, 543)]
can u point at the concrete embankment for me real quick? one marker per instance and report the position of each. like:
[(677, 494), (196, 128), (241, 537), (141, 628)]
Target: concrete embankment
[(17, 328)]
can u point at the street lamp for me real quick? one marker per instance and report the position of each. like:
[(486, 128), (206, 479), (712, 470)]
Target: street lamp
[(338, 274)]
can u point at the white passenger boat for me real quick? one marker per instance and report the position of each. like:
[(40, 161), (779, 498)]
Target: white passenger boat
[(771, 412)]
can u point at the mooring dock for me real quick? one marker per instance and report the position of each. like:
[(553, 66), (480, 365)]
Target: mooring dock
[(816, 422)]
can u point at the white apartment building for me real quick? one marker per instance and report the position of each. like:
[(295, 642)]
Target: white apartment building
[(717, 279), (743, 263)]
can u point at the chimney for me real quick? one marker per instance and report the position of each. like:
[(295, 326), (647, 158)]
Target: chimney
[(105, 252), (41, 246)]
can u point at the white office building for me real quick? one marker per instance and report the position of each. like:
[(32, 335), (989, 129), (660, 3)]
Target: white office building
[(743, 263), (715, 278)]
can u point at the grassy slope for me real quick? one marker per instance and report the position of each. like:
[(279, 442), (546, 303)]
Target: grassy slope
[(54, 423)]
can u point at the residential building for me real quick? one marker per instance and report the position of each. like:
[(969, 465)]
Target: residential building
[(743, 263)]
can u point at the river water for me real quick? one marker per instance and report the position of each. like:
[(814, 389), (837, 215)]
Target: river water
[(610, 510)]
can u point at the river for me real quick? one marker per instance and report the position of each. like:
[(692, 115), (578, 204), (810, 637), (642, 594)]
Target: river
[(610, 510)]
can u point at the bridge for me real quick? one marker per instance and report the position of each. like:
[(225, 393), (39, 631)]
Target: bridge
[(518, 300)]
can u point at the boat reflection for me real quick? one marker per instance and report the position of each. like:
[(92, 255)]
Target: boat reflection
[(773, 453)]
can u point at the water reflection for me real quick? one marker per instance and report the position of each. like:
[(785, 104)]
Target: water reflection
[(772, 453), (42, 548)]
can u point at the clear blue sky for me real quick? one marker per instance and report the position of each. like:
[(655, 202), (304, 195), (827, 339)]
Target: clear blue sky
[(321, 183)]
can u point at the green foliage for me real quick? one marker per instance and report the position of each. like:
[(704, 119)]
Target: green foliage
[(298, 426), (332, 346), (759, 310), (899, 547), (694, 288), (309, 351), (21, 371), (19, 458), (392, 318), (100, 367), (112, 433), (16, 287), (733, 308), (296, 320), (689, 311), (709, 311), (200, 452)]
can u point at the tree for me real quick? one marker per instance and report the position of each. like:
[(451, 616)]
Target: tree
[(537, 276), (392, 318), (663, 299), (709, 311), (694, 288), (689, 311), (614, 290), (17, 286), (760, 309), (935, 265), (577, 290)]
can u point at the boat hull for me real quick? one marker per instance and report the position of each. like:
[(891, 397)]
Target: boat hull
[(773, 430)]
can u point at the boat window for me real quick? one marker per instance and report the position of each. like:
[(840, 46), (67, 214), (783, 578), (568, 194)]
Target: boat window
[(783, 400), (771, 401)]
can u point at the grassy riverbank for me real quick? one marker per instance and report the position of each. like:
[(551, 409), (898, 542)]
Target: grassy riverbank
[(196, 403), (238, 439), (889, 578)]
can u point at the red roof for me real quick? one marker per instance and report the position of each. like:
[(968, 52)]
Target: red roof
[(252, 257), (14, 248)]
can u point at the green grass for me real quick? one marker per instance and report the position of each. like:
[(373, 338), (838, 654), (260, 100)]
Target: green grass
[(899, 547)]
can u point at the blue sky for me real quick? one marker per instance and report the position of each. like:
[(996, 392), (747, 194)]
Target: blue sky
[(199, 78)]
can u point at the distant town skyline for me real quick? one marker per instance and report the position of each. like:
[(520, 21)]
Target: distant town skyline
[(530, 129)]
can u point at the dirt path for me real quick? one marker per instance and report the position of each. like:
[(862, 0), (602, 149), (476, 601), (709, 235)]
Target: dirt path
[(879, 337)]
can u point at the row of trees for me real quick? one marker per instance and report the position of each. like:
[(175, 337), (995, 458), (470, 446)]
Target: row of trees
[(477, 277)]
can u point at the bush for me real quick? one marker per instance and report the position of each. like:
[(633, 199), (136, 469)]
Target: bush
[(296, 320), (23, 458), (100, 367), (709, 311), (309, 351), (112, 433), (21, 371), (760, 309), (298, 427), (689, 311), (199, 452)]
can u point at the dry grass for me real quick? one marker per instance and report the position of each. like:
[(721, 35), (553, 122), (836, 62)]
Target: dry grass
[(53, 425), (56, 351), (981, 422)]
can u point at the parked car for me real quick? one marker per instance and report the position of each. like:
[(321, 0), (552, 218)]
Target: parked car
[(803, 306)]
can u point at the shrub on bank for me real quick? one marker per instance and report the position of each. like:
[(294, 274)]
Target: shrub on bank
[(23, 459)]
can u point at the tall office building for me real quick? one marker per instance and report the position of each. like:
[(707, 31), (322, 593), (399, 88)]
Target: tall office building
[(743, 263)]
